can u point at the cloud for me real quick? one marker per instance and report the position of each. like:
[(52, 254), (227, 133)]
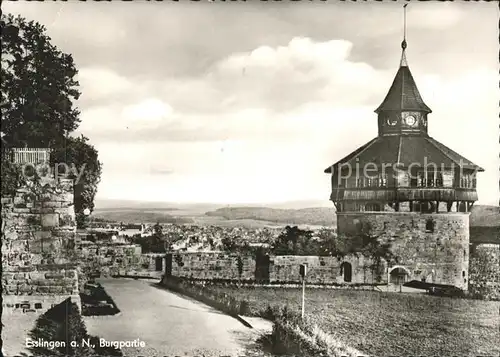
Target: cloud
[(148, 111), (267, 92), (98, 83), (257, 108), (286, 77)]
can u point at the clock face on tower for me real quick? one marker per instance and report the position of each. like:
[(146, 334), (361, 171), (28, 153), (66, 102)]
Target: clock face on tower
[(392, 121), (410, 120)]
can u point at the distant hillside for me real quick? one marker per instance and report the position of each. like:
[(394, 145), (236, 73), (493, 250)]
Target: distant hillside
[(136, 212), (140, 216), (485, 234), (110, 204), (320, 216), (102, 204), (485, 216)]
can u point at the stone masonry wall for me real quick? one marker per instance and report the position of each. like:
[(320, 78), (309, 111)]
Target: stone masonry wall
[(38, 232), (326, 270), (282, 269), (212, 265), (37, 288), (434, 247), (485, 271), (108, 259)]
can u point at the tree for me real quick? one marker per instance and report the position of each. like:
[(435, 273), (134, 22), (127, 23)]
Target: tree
[(12, 177), (228, 244), (158, 230), (38, 91), (295, 241), (154, 243), (38, 86)]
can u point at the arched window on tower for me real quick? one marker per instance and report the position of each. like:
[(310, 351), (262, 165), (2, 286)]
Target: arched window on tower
[(430, 179), (439, 179), (429, 225), (421, 179), (413, 181), (359, 182), (383, 180)]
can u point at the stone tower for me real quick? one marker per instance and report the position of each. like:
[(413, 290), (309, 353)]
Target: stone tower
[(409, 190)]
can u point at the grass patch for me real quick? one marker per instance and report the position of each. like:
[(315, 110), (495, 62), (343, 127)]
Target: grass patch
[(385, 324)]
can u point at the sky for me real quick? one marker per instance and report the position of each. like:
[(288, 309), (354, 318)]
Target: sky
[(249, 102)]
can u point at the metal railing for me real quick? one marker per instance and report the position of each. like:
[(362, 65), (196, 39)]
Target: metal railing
[(29, 155)]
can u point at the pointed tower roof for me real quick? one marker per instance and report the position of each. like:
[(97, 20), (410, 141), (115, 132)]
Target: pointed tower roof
[(403, 94)]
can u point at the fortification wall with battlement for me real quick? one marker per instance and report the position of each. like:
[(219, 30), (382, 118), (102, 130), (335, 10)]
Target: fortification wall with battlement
[(284, 269)]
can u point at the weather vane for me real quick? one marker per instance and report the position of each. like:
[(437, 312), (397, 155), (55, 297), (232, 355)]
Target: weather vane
[(403, 44), (403, 62)]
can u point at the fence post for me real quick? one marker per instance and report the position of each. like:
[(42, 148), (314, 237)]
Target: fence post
[(303, 273)]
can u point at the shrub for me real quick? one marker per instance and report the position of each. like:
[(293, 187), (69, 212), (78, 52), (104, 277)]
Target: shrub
[(244, 308), (63, 322), (12, 177)]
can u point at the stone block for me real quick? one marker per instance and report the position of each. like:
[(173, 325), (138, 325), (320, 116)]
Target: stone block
[(10, 289), (27, 219), (6, 200), (36, 275), (68, 281), (25, 269), (38, 246), (54, 275), (19, 209), (51, 204), (38, 282), (19, 199), (43, 289), (10, 235), (24, 289), (8, 275), (42, 210), (50, 220), (18, 246), (55, 289)]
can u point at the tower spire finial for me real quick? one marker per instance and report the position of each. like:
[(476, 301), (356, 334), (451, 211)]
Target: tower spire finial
[(404, 44)]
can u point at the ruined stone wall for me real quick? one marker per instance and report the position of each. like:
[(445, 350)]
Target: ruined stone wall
[(434, 247), (38, 232), (213, 265), (327, 270), (484, 271), (282, 269), (120, 260)]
